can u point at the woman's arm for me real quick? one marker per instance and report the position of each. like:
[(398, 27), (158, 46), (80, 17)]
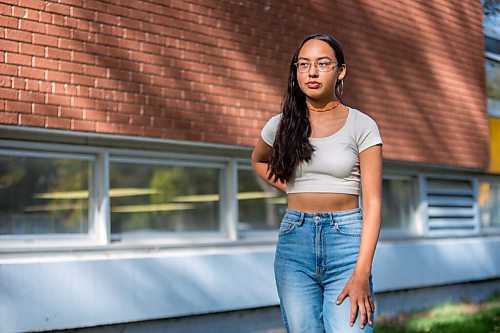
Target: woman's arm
[(260, 159), (358, 287)]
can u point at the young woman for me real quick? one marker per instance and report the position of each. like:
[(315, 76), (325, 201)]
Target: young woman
[(323, 153)]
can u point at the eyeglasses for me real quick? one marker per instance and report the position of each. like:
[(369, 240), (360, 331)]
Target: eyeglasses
[(322, 66)]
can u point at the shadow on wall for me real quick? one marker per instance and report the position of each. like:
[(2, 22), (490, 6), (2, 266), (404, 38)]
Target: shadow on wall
[(216, 72)]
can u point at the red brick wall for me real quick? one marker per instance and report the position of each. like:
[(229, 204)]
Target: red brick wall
[(214, 71)]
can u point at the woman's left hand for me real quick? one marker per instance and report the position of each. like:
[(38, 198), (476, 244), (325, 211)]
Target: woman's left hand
[(358, 290)]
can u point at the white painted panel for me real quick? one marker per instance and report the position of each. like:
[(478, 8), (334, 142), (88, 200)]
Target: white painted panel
[(424, 263), (50, 295), (53, 293)]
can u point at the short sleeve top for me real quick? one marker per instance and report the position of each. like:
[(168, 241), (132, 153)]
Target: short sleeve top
[(334, 167)]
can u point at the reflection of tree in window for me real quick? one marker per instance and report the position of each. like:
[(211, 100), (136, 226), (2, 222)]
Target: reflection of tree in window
[(264, 207), (491, 16), (194, 191), (42, 195), (493, 79), (71, 176), (165, 199)]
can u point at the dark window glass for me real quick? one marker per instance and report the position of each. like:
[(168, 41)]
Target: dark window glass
[(397, 203), (43, 195), (158, 198), (260, 206)]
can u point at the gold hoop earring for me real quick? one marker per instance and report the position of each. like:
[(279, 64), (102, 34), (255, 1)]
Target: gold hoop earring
[(340, 87)]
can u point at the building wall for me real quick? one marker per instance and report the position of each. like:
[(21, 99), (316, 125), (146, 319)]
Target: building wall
[(215, 71), (58, 292), (494, 145), (184, 82)]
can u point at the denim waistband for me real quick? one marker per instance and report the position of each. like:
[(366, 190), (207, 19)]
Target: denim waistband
[(325, 217)]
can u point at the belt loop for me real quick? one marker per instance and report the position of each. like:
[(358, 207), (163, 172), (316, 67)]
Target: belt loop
[(301, 219), (332, 220)]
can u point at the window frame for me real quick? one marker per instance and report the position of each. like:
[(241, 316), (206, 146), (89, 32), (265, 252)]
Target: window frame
[(99, 230), (414, 230), (103, 150), (492, 56), (41, 150), (165, 237), (493, 112)]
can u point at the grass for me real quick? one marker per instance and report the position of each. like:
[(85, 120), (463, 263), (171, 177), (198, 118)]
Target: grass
[(464, 317)]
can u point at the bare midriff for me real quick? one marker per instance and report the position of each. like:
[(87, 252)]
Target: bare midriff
[(321, 202)]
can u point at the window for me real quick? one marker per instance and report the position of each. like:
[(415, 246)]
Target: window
[(54, 194), (398, 205), (155, 197), (489, 204), (260, 206), (78, 196), (43, 193), (491, 29), (493, 84)]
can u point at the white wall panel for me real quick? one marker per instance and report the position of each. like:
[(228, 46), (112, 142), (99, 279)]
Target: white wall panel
[(77, 291)]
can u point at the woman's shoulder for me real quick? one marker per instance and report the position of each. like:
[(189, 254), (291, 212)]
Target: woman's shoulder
[(269, 130), (274, 120), (358, 113), (276, 117), (361, 118)]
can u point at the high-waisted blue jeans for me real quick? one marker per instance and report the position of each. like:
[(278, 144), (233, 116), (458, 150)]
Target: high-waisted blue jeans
[(315, 257)]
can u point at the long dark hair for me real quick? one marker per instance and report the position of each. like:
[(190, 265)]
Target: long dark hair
[(291, 145)]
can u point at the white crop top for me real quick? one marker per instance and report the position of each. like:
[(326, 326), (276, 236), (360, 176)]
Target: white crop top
[(334, 167)]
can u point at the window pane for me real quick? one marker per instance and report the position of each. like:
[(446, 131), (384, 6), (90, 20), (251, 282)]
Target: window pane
[(397, 203), (493, 85), (489, 204), (491, 17), (260, 206), (43, 196), (149, 198)]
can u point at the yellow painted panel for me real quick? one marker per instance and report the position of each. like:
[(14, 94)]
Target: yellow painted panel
[(494, 145)]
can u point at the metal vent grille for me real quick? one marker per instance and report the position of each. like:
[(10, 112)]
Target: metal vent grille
[(451, 206)]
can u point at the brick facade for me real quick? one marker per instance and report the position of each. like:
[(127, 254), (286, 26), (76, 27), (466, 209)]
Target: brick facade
[(214, 71)]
